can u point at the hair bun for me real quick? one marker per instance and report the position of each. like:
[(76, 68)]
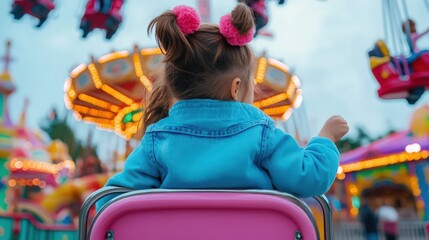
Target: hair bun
[(187, 19), (242, 18), (238, 27)]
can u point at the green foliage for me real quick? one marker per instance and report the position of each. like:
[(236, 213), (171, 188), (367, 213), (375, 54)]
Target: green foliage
[(362, 138), (59, 129)]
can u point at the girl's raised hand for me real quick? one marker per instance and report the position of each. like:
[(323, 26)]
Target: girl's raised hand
[(335, 128)]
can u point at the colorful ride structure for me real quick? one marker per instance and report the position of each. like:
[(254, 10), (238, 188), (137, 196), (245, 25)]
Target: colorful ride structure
[(392, 170), (400, 77), (102, 14), (403, 74), (110, 91), (54, 215), (39, 9), (6, 127), (106, 14), (27, 167)]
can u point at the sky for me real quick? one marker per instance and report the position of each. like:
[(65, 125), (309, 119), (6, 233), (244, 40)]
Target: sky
[(324, 42)]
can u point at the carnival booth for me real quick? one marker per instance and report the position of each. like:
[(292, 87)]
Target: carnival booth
[(393, 170)]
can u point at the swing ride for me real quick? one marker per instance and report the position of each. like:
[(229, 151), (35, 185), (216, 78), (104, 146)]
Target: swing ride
[(403, 70), (106, 14), (98, 14), (102, 14), (39, 9)]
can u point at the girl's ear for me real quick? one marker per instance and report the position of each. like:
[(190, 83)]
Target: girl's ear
[(235, 85)]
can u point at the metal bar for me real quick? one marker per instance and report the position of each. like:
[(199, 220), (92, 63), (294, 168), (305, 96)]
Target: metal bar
[(395, 51), (385, 10), (426, 4), (402, 44), (327, 217), (407, 26), (89, 202)]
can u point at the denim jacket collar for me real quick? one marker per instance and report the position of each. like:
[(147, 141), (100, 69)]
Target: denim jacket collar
[(210, 114)]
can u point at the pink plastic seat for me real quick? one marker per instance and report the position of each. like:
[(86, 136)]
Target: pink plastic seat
[(180, 215)]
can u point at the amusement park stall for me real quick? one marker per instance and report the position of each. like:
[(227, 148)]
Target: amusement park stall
[(393, 170)]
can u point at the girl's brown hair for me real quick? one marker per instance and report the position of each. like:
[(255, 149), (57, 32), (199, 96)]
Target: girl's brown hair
[(198, 65), (409, 23)]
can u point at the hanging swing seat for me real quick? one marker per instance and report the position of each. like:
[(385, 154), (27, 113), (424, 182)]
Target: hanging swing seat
[(400, 77), (94, 17), (39, 9)]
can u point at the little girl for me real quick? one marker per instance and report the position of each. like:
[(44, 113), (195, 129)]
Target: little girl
[(212, 137)]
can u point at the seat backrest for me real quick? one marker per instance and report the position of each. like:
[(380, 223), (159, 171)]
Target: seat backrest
[(383, 48), (205, 215)]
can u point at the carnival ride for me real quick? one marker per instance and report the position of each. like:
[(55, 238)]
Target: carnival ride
[(102, 14), (110, 91), (107, 14), (28, 166), (396, 163), (39, 9), (70, 196), (33, 163), (404, 73)]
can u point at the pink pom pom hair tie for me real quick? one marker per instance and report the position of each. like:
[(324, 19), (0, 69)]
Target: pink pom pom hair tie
[(231, 33), (188, 19)]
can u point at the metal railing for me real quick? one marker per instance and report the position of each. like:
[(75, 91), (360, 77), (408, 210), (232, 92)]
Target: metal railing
[(22, 226), (410, 230)]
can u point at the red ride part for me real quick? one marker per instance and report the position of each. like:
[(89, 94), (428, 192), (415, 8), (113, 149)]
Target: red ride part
[(421, 63), (400, 87), (96, 16), (400, 78), (39, 9)]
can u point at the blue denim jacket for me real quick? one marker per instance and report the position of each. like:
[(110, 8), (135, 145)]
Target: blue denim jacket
[(210, 144)]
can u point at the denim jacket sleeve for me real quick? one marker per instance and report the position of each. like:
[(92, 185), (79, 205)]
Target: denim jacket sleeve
[(304, 172), (140, 170)]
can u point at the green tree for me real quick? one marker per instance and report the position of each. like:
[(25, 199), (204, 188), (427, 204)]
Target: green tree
[(362, 138), (57, 128)]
